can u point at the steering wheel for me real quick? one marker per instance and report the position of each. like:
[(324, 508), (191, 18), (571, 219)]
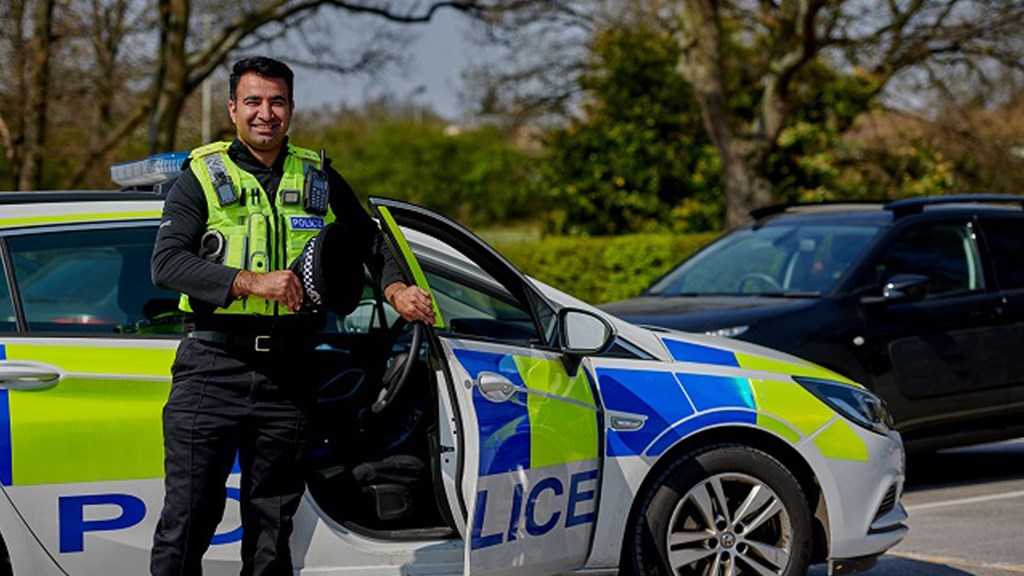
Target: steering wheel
[(760, 276), (398, 372), (355, 382)]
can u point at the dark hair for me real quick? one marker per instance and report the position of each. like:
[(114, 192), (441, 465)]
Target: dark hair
[(261, 66)]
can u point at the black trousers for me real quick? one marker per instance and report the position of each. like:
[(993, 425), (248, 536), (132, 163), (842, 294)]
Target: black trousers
[(226, 401)]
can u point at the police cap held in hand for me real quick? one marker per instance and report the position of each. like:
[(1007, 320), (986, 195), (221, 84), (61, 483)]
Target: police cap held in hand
[(330, 269)]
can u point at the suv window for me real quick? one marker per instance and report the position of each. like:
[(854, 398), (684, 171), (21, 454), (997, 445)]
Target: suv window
[(92, 281), (945, 253), (1005, 239)]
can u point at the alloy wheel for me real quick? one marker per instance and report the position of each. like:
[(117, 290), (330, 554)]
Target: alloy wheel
[(727, 525)]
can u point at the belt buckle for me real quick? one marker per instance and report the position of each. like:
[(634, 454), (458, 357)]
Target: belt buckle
[(262, 343)]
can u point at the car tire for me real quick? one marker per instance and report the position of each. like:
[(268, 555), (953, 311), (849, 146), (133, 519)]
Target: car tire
[(698, 518)]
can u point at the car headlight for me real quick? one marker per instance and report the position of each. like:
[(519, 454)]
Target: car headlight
[(730, 332), (856, 404)]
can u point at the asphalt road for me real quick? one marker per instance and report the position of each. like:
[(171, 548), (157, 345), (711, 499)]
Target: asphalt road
[(966, 514)]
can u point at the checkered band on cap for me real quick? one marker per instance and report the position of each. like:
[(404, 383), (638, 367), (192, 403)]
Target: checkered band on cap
[(307, 272)]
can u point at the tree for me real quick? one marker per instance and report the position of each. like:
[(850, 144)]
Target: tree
[(542, 48), (637, 158), (811, 156), (12, 116), (885, 40), (748, 61), (180, 69), (30, 58), (182, 59), (95, 66), (112, 33), (478, 176)]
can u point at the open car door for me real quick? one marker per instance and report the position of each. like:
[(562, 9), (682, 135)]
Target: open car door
[(528, 421)]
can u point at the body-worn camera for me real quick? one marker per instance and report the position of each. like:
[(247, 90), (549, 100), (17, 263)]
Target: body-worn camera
[(222, 184)]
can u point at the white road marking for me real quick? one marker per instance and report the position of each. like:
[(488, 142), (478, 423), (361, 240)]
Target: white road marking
[(956, 562), (961, 501)]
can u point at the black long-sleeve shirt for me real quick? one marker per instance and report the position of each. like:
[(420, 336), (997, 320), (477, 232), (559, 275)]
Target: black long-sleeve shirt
[(177, 266)]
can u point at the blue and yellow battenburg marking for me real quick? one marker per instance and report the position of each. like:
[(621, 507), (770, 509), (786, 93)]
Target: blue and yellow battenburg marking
[(5, 431), (676, 405), (701, 354), (102, 422), (690, 352), (538, 468), (531, 430)]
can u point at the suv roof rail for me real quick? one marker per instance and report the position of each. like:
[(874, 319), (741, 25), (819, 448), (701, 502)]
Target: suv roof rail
[(762, 213), (908, 206)]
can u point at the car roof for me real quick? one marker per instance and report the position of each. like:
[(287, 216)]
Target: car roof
[(34, 209), (65, 196), (880, 213), (815, 217)]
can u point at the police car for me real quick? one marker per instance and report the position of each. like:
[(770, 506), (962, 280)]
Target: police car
[(526, 432)]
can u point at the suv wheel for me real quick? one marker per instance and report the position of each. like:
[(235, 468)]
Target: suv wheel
[(725, 510)]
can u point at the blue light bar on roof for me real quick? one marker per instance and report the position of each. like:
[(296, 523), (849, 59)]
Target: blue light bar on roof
[(148, 171)]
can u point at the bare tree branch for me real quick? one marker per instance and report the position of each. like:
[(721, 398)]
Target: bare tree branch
[(129, 124), (200, 64)]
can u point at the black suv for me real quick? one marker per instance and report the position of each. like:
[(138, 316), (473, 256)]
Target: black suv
[(921, 300)]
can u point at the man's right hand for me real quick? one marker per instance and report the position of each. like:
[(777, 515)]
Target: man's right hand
[(282, 286)]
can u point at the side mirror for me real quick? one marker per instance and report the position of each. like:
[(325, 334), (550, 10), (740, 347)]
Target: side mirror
[(584, 333), (902, 288)]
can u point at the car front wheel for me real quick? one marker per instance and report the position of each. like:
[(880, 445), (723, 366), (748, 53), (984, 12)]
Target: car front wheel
[(726, 510)]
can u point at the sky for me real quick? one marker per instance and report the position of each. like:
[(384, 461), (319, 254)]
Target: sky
[(434, 63)]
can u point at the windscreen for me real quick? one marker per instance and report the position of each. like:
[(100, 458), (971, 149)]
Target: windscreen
[(784, 260)]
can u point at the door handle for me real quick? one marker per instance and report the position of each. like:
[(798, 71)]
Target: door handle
[(27, 375), (988, 313), (495, 387)]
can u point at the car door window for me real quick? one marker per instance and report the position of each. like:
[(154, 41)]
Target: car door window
[(8, 321), (946, 253), (91, 281), (473, 303), (1005, 239)]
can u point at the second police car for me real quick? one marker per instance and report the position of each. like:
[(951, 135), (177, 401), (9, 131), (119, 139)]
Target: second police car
[(526, 432)]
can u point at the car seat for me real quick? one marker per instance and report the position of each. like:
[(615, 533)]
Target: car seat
[(394, 484), (843, 251)]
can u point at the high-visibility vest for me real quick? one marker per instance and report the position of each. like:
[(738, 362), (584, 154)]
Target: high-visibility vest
[(259, 235)]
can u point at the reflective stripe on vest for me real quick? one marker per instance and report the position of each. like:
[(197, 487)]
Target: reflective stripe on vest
[(258, 236)]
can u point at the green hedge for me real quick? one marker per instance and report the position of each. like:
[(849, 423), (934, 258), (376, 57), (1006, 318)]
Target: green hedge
[(603, 269)]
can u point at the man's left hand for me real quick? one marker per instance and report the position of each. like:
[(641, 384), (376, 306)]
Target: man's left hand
[(412, 302)]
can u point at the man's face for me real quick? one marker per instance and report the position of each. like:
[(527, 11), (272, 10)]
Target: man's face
[(261, 111)]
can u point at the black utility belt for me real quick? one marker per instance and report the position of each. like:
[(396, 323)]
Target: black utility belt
[(247, 341)]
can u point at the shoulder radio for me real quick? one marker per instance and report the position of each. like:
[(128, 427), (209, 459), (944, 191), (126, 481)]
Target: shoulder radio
[(315, 189)]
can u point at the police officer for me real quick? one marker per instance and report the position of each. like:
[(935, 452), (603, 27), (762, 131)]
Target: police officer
[(237, 217)]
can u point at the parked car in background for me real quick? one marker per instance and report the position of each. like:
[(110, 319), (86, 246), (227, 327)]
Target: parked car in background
[(921, 300), (525, 433)]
